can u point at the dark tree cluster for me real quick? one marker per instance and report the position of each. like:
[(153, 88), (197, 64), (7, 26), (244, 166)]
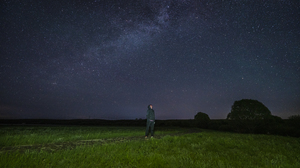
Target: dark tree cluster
[(202, 120), (247, 109), (251, 116)]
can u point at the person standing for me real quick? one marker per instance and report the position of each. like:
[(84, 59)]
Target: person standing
[(150, 121)]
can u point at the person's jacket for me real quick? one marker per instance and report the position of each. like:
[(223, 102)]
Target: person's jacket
[(150, 114)]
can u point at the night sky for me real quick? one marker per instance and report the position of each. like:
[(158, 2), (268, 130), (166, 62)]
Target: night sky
[(109, 59)]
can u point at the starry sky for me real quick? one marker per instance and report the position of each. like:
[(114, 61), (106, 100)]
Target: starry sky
[(109, 59)]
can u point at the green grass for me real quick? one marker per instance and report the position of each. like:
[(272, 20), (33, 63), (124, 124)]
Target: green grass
[(30, 135), (204, 149)]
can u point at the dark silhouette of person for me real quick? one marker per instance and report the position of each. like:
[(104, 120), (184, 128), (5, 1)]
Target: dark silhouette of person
[(150, 121)]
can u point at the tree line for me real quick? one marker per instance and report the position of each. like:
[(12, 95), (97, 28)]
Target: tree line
[(251, 116)]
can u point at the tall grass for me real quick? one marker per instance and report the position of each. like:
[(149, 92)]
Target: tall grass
[(204, 149)]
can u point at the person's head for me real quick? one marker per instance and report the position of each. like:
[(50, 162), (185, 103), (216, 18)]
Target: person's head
[(150, 106)]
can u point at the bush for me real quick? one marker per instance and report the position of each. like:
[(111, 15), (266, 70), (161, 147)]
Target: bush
[(202, 120), (294, 121), (284, 130)]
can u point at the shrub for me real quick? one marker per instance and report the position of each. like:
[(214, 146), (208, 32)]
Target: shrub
[(202, 120), (294, 121)]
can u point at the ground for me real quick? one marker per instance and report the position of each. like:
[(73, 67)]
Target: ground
[(51, 147)]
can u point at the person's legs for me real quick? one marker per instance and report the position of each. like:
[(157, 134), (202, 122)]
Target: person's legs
[(152, 128), (147, 128)]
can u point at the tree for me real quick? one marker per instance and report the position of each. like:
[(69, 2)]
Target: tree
[(249, 116), (202, 120), (201, 117), (248, 109)]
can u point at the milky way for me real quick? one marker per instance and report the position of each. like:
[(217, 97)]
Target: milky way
[(110, 59)]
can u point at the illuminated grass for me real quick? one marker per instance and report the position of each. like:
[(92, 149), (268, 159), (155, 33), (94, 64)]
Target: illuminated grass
[(204, 149), (26, 135)]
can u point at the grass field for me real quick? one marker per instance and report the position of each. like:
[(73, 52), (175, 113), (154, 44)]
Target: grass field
[(78, 146)]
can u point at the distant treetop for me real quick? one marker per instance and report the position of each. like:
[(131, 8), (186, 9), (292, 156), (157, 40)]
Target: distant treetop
[(248, 109), (201, 117)]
